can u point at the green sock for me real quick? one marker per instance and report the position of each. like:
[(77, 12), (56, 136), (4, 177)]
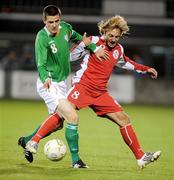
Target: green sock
[(27, 138), (72, 137)]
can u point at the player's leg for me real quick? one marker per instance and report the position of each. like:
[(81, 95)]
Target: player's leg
[(127, 132), (131, 139), (43, 132), (22, 141), (48, 126), (119, 117), (75, 97), (67, 110)]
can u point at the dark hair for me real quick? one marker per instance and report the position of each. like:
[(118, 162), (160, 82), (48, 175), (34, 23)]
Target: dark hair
[(51, 10)]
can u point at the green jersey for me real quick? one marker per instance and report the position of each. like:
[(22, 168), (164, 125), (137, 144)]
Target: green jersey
[(52, 52)]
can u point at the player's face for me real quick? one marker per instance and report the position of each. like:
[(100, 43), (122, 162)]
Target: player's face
[(112, 37), (52, 23)]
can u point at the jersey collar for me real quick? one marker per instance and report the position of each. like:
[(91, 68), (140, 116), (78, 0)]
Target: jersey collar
[(48, 32)]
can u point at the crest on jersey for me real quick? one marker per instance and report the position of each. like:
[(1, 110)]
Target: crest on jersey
[(115, 54), (66, 37), (102, 46)]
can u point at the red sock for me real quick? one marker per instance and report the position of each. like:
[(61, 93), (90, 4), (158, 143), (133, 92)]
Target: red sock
[(131, 140), (47, 126)]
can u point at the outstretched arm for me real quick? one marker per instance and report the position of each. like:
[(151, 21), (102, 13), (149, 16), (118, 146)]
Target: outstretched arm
[(129, 64)]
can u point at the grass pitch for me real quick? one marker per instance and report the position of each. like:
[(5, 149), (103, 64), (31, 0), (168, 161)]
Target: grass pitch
[(101, 145)]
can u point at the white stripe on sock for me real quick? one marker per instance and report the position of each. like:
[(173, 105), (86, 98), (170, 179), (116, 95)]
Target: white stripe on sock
[(128, 136)]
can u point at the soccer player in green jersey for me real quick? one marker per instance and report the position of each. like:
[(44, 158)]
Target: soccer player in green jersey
[(53, 64)]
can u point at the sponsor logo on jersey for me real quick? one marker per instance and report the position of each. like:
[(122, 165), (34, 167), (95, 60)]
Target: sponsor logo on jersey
[(66, 37), (115, 54)]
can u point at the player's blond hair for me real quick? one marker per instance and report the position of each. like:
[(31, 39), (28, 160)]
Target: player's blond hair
[(112, 23)]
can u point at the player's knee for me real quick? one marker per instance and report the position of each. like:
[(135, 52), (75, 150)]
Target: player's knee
[(124, 118), (73, 118)]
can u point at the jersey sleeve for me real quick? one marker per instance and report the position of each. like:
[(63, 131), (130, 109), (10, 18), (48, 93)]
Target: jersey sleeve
[(125, 62), (41, 57), (78, 51), (130, 64)]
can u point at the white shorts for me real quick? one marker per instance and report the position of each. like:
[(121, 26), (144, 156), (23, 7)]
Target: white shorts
[(52, 96)]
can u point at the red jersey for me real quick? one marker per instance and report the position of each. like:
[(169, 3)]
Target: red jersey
[(94, 74)]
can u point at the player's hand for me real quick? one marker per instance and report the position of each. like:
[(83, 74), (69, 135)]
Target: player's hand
[(153, 73), (47, 84), (86, 40), (102, 54)]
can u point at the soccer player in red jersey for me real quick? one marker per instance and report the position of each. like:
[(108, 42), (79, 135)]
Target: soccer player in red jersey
[(90, 83)]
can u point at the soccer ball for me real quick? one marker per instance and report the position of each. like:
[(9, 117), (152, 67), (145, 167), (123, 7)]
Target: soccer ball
[(55, 149)]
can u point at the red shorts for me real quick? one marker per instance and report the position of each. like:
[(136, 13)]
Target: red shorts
[(101, 102)]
